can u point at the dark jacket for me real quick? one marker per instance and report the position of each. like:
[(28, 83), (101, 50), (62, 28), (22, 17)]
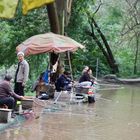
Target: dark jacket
[(62, 82), (84, 77)]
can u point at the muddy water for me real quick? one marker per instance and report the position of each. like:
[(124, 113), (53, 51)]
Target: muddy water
[(114, 116)]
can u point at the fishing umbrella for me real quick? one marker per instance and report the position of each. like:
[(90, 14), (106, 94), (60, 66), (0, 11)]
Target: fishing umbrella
[(48, 43)]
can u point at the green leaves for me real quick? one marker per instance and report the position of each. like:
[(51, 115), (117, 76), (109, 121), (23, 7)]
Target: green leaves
[(14, 31)]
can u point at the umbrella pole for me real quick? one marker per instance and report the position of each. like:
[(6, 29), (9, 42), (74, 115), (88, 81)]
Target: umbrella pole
[(58, 97), (69, 59), (53, 60)]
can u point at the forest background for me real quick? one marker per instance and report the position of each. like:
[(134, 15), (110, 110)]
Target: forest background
[(108, 29)]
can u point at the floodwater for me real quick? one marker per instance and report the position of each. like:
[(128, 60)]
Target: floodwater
[(114, 116)]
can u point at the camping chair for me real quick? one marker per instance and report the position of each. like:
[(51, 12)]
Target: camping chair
[(43, 85)]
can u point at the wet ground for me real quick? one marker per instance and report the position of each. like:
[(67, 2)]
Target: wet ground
[(114, 116)]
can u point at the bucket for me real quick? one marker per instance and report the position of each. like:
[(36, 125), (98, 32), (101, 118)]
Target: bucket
[(91, 99)]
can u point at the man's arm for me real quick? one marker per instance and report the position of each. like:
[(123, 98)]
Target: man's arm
[(17, 96), (12, 93)]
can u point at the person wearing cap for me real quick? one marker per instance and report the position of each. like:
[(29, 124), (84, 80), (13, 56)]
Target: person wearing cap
[(7, 96), (21, 75)]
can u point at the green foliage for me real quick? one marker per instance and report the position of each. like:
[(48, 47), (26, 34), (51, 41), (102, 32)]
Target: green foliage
[(76, 29), (126, 62), (15, 31), (38, 64), (110, 19), (115, 15)]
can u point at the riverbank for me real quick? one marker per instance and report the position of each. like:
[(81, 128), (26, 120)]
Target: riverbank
[(111, 78)]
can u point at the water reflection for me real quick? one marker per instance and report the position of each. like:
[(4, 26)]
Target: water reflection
[(114, 116)]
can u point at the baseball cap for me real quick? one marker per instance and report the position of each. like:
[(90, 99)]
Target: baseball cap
[(20, 53)]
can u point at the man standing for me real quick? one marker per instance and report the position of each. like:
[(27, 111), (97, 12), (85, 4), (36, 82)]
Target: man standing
[(21, 75), (7, 95)]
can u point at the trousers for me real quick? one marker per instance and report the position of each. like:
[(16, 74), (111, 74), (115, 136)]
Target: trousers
[(9, 101), (19, 89)]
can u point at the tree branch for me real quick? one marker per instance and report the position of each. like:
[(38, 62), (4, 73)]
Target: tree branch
[(98, 7)]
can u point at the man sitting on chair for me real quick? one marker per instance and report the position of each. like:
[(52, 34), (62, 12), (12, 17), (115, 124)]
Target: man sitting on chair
[(7, 96), (63, 82), (86, 79), (42, 85)]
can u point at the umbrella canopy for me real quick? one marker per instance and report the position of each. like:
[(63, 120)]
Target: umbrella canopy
[(48, 42)]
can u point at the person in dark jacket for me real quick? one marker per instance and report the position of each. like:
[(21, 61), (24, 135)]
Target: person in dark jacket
[(7, 95), (86, 78), (63, 82)]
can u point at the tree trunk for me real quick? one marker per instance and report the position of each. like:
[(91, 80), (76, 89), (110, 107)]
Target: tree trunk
[(136, 55), (57, 17), (53, 18), (101, 47), (64, 13), (106, 52), (55, 28), (60, 5), (109, 52)]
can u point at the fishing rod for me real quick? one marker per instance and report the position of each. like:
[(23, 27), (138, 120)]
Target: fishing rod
[(58, 97), (111, 88), (107, 84)]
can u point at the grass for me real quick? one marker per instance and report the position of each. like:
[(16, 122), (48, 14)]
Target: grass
[(30, 94)]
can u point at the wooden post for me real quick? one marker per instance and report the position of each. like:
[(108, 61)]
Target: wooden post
[(55, 28)]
